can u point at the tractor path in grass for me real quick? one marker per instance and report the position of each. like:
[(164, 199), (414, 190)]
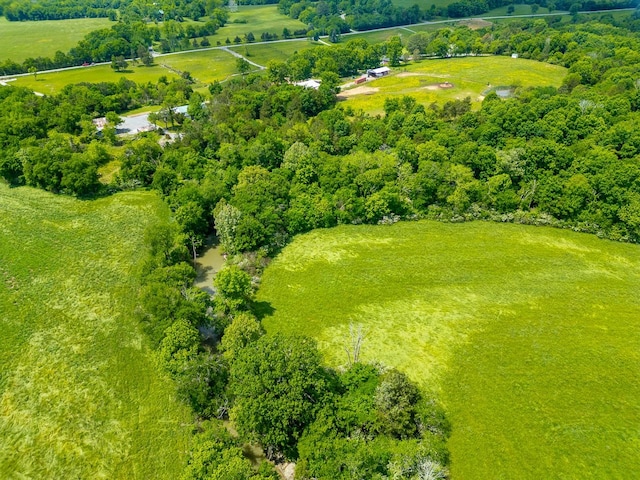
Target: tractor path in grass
[(237, 55)]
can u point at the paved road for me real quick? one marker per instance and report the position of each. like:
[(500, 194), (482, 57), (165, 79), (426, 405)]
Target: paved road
[(228, 48)]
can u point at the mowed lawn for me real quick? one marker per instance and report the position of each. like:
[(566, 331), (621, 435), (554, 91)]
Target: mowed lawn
[(470, 76), (52, 82), (80, 393), (530, 336), (21, 40)]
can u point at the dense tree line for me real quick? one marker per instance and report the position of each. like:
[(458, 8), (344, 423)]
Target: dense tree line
[(20, 10), (130, 10), (340, 166)]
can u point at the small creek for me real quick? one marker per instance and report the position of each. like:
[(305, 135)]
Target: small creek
[(208, 263)]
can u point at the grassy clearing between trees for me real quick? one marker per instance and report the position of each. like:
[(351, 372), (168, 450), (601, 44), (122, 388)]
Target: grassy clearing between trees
[(205, 66), (470, 76), (21, 40), (80, 393), (257, 20), (529, 335), (261, 54), (54, 82), (380, 36)]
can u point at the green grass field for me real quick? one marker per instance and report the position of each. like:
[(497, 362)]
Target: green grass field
[(380, 36), (470, 76), (51, 83), (205, 66), (80, 393), (21, 40), (259, 19), (261, 54), (529, 335)]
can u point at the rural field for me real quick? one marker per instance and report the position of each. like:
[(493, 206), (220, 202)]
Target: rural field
[(261, 54), (529, 336), (81, 395), (380, 36), (205, 66), (51, 83), (256, 19), (21, 40), (470, 76)]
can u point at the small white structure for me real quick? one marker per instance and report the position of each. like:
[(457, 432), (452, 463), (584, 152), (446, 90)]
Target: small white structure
[(182, 110), (514, 55), (378, 72), (310, 83), (100, 123)]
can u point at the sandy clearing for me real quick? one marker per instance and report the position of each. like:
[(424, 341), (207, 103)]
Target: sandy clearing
[(359, 91), (476, 23)]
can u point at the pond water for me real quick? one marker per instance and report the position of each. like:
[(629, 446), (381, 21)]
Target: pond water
[(504, 92), (209, 261)]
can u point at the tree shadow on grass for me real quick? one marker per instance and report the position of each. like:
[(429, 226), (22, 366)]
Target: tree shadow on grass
[(263, 309)]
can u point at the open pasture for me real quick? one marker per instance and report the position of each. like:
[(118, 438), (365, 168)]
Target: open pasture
[(21, 40), (380, 35), (52, 82), (261, 54), (470, 76), (530, 336), (81, 395), (256, 19), (205, 66)]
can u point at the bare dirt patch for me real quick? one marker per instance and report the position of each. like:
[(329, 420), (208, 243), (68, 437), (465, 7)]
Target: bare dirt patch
[(476, 23), (439, 86), (359, 91)]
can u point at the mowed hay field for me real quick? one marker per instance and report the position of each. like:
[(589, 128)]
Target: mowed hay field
[(50, 83), (80, 393), (529, 336), (470, 76), (21, 40)]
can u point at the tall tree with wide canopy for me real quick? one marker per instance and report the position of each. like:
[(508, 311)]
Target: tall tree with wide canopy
[(279, 386)]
